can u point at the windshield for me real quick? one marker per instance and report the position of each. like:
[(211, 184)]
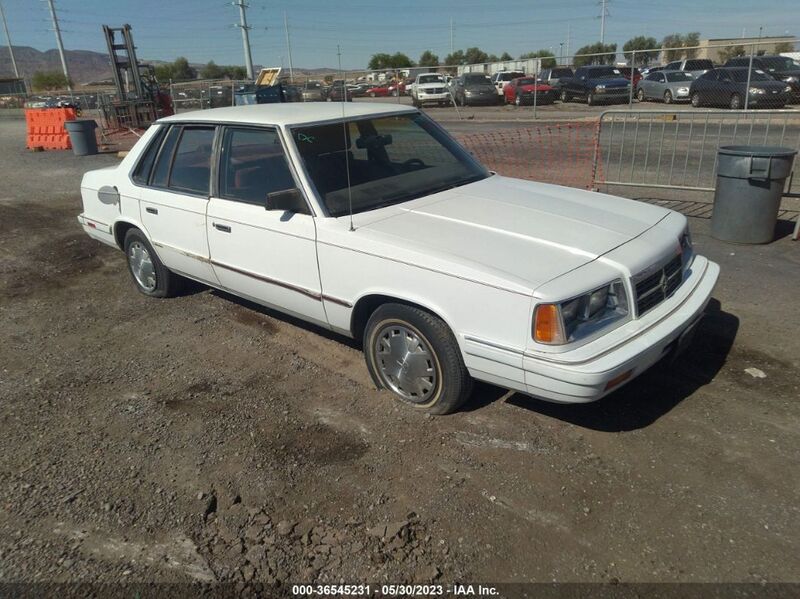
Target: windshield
[(740, 76), (391, 159), (526, 81), (679, 76), (477, 79), (607, 73), (698, 65), (561, 73), (431, 79), (779, 63)]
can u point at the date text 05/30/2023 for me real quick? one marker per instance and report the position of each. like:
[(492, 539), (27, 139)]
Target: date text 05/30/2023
[(393, 590)]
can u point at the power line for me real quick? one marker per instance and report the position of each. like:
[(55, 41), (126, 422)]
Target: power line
[(10, 46)]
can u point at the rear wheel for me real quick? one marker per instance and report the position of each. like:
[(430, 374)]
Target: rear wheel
[(590, 101), (667, 97), (149, 275), (415, 356), (372, 94), (517, 100), (736, 102)]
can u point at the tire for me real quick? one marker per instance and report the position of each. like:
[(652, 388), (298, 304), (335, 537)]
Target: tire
[(564, 96), (736, 102), (154, 280), (696, 102), (590, 101), (640, 95), (517, 100), (444, 383), (667, 97)]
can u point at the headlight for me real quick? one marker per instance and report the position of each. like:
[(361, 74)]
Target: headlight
[(787, 89), (683, 90), (468, 92), (791, 79), (582, 316), (687, 251), (599, 88), (756, 90)]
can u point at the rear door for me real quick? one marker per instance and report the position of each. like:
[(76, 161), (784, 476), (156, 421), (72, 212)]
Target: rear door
[(173, 203), (266, 255)]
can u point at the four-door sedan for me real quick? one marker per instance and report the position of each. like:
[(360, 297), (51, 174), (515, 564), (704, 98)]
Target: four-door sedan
[(727, 86), (523, 90), (379, 226), (667, 86)]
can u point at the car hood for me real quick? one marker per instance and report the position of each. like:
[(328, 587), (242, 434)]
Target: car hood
[(431, 84), (616, 82), (506, 232)]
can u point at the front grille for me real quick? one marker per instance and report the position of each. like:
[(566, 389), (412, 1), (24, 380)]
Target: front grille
[(657, 286), (433, 90)]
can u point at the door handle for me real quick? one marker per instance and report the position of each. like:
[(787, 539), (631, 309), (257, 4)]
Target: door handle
[(151, 210), (223, 228)]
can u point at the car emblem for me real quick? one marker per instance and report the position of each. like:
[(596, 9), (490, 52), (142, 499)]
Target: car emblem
[(663, 283)]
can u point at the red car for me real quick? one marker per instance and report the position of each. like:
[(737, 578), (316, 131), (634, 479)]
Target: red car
[(378, 91), (397, 88), (522, 90), (626, 72)]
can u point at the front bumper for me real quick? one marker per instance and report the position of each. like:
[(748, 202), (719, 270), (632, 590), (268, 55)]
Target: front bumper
[(587, 380), (442, 97)]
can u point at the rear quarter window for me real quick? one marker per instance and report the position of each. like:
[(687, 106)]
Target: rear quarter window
[(141, 174)]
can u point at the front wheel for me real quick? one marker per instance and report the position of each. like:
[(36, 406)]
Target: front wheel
[(590, 101), (640, 95), (736, 102), (667, 97), (564, 97), (149, 274), (414, 355), (696, 100), (517, 100)]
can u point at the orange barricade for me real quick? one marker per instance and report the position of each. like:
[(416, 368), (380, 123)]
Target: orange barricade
[(46, 128)]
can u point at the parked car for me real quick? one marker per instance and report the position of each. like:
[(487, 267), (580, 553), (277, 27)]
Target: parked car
[(378, 91), (596, 84), (648, 70), (503, 78), (553, 77), (668, 86), (393, 234), (471, 89), (626, 72), (312, 91), (359, 90), (429, 88), (781, 68), (694, 66), (727, 86), (398, 88), (339, 92), (523, 90)]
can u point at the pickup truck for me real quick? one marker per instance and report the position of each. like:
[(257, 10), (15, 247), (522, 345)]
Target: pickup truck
[(395, 235), (429, 88), (596, 84)]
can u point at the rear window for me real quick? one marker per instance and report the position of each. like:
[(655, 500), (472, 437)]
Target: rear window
[(679, 76), (475, 78), (561, 73), (698, 65)]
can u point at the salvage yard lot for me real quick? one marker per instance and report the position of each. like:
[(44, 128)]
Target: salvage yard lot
[(204, 438)]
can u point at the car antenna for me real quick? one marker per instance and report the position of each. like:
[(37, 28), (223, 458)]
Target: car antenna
[(346, 145)]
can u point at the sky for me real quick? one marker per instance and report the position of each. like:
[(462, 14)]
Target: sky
[(203, 30)]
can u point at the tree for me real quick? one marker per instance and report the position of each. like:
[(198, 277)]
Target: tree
[(506, 56), (428, 59), (641, 43), (548, 58), (181, 70), (492, 58), (782, 47), (599, 54), (674, 46), (455, 58), (731, 52), (49, 81), (236, 72), (382, 60), (212, 71), (475, 56)]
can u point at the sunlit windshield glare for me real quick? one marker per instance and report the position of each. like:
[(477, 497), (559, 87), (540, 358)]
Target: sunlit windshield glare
[(390, 160)]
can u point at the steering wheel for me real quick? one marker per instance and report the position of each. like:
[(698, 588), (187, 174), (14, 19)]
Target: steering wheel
[(414, 163)]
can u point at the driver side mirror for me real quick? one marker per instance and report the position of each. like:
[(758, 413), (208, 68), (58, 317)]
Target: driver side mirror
[(286, 200)]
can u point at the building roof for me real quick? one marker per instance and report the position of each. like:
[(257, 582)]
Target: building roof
[(292, 113)]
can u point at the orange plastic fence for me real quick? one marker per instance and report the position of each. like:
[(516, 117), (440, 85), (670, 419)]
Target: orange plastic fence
[(46, 128), (560, 153)]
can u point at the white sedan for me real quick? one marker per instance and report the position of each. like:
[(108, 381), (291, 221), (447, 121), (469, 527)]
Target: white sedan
[(376, 224)]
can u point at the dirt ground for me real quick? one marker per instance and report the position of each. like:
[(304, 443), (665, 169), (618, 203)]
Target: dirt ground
[(205, 439)]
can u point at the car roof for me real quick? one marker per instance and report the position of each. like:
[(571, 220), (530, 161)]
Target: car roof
[(286, 114)]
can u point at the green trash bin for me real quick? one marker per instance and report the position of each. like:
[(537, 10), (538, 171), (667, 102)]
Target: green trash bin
[(750, 182), (81, 134)]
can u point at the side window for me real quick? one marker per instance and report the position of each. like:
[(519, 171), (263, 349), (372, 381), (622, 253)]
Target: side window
[(161, 171), (191, 168), (253, 165), (723, 76), (141, 174)]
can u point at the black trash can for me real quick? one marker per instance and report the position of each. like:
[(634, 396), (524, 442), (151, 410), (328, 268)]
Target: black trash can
[(81, 134), (750, 181)]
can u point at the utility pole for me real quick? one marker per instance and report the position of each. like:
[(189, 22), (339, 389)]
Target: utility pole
[(452, 49), (248, 57), (750, 70), (288, 46), (57, 29), (569, 33), (10, 47), (603, 21)]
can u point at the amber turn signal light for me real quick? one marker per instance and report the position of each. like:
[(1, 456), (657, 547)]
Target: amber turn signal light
[(547, 325), (618, 380)]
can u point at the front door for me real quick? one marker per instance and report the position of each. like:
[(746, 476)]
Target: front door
[(267, 255), (173, 203)]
